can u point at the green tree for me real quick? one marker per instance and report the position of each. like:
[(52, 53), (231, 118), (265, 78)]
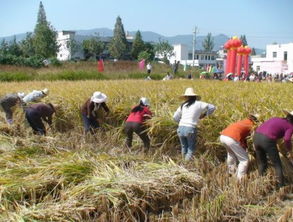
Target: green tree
[(14, 48), (137, 46), (148, 47), (208, 43), (165, 50), (44, 39), (243, 39), (144, 55), (253, 52), (27, 46), (4, 47), (118, 46), (92, 47), (74, 46)]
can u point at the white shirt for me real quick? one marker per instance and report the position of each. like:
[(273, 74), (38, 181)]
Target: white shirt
[(149, 66), (34, 96), (189, 116)]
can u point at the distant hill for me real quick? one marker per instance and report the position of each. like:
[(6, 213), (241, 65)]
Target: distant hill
[(147, 36)]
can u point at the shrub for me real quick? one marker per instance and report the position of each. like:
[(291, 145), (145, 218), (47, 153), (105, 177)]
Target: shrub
[(55, 62)]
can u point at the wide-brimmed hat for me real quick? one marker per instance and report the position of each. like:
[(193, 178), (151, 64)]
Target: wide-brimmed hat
[(145, 101), (190, 92), (98, 97), (45, 91), (288, 113)]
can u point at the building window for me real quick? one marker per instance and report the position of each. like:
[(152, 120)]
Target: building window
[(189, 56), (257, 68), (274, 54), (202, 57), (197, 56), (285, 56), (213, 57)]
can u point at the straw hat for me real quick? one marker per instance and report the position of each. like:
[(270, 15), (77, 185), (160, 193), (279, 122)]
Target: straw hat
[(144, 101), (190, 92), (98, 97), (288, 113), (45, 91)]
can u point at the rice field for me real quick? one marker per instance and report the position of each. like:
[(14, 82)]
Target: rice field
[(67, 176)]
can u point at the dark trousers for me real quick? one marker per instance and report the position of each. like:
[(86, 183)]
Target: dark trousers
[(140, 130), (35, 121), (264, 147), (90, 123)]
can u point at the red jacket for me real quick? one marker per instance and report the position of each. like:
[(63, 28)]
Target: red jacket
[(140, 116)]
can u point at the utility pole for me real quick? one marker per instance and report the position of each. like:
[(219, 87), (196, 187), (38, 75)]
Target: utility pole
[(193, 44)]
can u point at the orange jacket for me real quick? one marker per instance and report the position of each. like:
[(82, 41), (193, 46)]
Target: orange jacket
[(239, 131)]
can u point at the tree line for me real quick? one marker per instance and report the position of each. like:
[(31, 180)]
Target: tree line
[(42, 44)]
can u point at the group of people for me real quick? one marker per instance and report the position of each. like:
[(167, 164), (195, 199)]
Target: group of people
[(34, 112), (234, 137), (188, 115)]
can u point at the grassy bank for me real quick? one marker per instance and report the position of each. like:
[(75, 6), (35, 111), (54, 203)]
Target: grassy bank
[(85, 71)]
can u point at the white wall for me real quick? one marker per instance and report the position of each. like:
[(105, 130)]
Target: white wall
[(274, 65), (180, 53), (63, 40)]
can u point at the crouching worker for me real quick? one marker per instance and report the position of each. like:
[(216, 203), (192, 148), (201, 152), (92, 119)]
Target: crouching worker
[(234, 138), (35, 95), (265, 143), (8, 103), (135, 123), (35, 113), (89, 111)]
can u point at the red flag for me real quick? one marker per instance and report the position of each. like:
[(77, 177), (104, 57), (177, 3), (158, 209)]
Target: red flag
[(101, 65)]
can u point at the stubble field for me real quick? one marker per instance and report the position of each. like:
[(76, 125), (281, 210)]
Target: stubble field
[(67, 176)]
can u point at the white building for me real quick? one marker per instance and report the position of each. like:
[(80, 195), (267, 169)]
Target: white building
[(184, 56), (279, 59), (64, 39)]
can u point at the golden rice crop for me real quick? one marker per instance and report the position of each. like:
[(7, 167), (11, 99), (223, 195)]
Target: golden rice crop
[(68, 176)]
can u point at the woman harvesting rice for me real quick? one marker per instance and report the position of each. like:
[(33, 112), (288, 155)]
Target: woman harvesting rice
[(188, 116)]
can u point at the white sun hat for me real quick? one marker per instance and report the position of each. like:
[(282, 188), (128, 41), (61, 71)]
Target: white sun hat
[(98, 97), (288, 113), (45, 91), (190, 92), (144, 101)]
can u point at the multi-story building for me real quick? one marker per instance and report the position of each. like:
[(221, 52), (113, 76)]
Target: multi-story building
[(278, 59), (63, 40), (201, 58)]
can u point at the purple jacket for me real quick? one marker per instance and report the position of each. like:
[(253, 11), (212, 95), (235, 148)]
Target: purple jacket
[(277, 128)]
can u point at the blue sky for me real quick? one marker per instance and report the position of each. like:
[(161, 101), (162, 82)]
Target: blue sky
[(262, 21)]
